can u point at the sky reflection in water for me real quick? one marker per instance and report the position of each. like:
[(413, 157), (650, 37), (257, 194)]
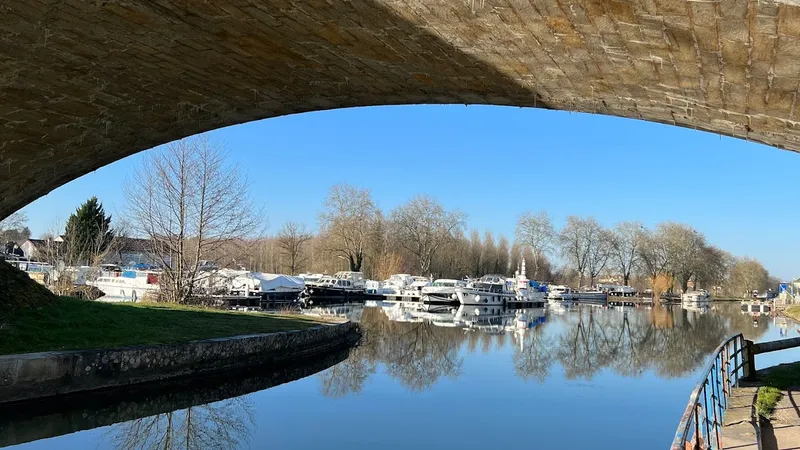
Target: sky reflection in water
[(588, 378)]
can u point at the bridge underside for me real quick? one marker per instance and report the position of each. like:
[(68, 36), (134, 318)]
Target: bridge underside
[(83, 84)]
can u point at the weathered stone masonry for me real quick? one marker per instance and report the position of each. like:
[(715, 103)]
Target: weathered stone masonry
[(84, 83), (38, 375)]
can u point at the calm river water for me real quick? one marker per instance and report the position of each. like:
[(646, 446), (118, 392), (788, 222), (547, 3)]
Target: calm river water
[(583, 378)]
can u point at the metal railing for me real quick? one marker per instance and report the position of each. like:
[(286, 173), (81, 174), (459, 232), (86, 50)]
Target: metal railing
[(702, 420)]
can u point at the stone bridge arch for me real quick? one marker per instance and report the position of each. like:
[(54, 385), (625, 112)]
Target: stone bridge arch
[(85, 83)]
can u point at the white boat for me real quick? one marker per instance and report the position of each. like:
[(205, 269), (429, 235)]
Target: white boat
[(128, 285), (488, 290), (442, 291), (590, 295), (559, 293), (268, 286), (526, 291), (617, 290), (696, 297), (342, 287)]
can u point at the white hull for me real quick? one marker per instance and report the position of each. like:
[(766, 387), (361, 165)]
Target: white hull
[(559, 296), (473, 297), (119, 293)]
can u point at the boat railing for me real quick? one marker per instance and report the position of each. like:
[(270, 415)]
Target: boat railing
[(701, 422)]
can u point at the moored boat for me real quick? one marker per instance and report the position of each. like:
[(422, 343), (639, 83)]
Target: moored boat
[(488, 290), (442, 291), (342, 287)]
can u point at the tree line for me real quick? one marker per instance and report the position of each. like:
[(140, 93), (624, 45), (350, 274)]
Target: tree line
[(193, 205), (423, 237)]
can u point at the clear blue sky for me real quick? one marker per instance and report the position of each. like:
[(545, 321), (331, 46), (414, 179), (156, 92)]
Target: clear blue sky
[(494, 163)]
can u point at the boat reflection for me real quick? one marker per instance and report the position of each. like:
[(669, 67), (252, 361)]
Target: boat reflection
[(419, 344)]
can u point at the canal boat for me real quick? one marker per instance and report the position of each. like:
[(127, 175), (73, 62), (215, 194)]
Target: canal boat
[(488, 290), (590, 295), (559, 292), (695, 297), (342, 287), (442, 291), (127, 285)]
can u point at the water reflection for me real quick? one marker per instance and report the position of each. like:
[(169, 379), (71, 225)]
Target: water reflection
[(187, 414), (448, 350), (226, 424), (419, 345)]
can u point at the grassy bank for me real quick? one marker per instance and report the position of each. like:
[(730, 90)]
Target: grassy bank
[(72, 324), (792, 312), (774, 380)]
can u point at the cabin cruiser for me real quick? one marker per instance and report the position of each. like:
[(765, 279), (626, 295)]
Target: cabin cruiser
[(398, 287), (341, 287), (442, 291), (617, 290), (590, 295), (488, 290), (696, 297), (127, 285), (559, 293)]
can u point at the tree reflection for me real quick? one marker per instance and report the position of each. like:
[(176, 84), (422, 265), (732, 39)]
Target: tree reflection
[(224, 424), (533, 356), (669, 341), (348, 376)]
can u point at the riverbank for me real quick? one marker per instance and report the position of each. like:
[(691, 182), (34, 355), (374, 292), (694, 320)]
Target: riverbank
[(73, 324), (792, 312)]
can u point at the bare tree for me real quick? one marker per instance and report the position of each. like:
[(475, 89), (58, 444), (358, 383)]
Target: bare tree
[(346, 220), (189, 202), (14, 228), (713, 268), (747, 275), (684, 246), (584, 244), (291, 240), (535, 230), (627, 239), (503, 253), (422, 226), (653, 256), (600, 245)]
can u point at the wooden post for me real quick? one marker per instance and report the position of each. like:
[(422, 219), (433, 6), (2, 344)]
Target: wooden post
[(749, 361)]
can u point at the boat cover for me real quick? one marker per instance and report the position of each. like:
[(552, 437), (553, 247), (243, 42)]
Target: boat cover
[(277, 282)]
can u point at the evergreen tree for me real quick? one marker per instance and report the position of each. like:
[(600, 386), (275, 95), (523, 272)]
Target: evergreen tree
[(88, 233)]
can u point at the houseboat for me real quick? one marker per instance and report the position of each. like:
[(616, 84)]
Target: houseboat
[(127, 285), (442, 291), (342, 287), (695, 297), (488, 290), (559, 292)]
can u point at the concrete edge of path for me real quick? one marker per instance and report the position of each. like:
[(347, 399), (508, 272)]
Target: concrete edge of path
[(741, 428), (38, 375)]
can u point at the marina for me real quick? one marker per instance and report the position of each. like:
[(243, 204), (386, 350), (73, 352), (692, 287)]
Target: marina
[(418, 359)]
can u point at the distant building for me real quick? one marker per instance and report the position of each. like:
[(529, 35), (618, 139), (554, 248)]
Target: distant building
[(125, 251), (43, 249)]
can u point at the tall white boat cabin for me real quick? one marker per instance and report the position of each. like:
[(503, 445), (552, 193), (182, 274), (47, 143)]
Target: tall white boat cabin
[(127, 285)]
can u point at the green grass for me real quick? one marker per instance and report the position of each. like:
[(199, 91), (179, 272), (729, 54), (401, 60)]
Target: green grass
[(793, 312), (775, 380), (72, 324), (766, 400)]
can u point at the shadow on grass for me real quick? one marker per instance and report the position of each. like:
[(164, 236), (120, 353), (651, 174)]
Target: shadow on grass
[(72, 324)]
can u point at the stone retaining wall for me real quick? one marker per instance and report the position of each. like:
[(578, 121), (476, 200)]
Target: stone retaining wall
[(37, 375)]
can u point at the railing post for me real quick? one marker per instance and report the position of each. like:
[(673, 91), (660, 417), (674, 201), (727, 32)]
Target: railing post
[(749, 361)]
